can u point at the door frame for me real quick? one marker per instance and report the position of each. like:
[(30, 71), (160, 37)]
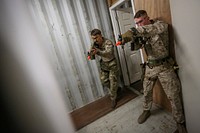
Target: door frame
[(116, 30)]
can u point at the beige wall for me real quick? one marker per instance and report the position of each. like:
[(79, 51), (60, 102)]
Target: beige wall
[(111, 2), (185, 21)]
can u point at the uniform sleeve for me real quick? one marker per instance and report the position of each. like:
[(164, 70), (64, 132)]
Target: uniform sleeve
[(130, 36), (109, 49), (152, 29), (127, 36)]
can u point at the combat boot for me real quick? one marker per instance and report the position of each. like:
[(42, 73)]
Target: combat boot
[(119, 93), (114, 103), (143, 117), (180, 128)]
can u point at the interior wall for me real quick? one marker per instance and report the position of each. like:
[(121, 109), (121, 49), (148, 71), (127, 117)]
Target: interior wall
[(111, 2), (31, 99), (185, 21), (64, 26)]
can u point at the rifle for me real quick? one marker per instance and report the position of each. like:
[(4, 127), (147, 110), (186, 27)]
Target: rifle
[(138, 40), (90, 56)]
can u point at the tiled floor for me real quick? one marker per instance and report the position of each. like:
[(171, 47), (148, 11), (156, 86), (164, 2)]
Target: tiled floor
[(124, 120)]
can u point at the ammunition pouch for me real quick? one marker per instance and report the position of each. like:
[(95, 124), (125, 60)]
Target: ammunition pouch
[(157, 62), (153, 63), (167, 62)]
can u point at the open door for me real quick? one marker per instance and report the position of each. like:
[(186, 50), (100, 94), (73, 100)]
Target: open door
[(122, 19), (133, 58)]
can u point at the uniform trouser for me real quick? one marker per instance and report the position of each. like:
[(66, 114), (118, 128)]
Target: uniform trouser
[(109, 78), (171, 85)]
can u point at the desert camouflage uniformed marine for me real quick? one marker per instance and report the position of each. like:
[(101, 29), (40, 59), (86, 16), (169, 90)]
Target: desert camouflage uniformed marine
[(159, 64), (109, 68)]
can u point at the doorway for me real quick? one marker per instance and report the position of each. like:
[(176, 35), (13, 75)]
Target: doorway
[(122, 13)]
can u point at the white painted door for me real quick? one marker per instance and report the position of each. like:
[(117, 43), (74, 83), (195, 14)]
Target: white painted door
[(132, 58)]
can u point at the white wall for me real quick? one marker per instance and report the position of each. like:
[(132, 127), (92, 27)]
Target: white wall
[(186, 25), (65, 27)]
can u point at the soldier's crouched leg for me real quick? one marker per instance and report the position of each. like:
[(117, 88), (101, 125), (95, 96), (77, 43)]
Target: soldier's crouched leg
[(104, 76), (106, 81), (113, 87)]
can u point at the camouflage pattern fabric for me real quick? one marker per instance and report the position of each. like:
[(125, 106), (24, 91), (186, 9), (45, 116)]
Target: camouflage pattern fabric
[(109, 77), (171, 86), (156, 47), (109, 69), (106, 51)]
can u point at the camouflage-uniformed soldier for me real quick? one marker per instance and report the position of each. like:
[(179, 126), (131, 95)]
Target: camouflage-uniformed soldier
[(104, 48), (153, 36)]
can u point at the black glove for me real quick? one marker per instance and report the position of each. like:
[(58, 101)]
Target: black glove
[(119, 42), (119, 37)]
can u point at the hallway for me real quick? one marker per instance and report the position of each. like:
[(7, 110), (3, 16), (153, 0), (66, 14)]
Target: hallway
[(124, 120)]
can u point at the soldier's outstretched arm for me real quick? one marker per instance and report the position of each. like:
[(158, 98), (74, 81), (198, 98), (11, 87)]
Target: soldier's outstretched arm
[(124, 38), (109, 50), (152, 29), (127, 36)]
